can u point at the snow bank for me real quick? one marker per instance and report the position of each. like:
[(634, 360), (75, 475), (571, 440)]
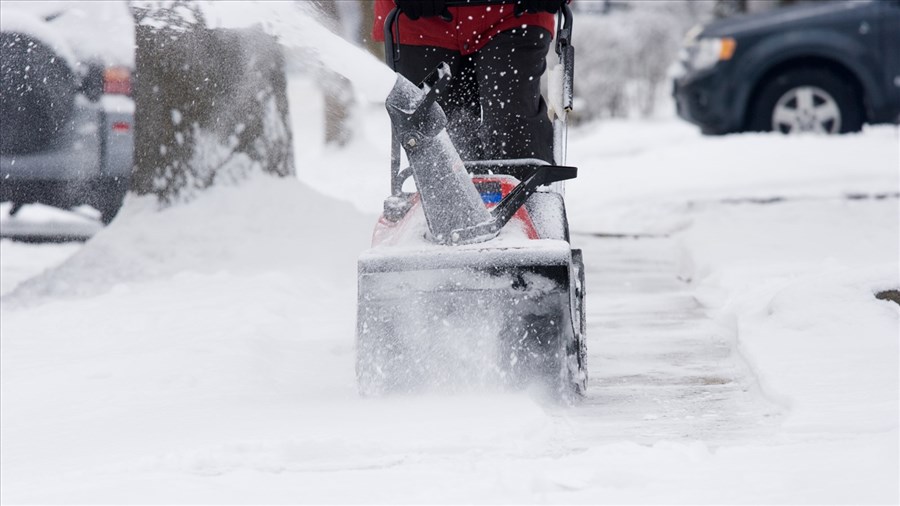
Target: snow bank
[(796, 283), (773, 271), (265, 224), (638, 176)]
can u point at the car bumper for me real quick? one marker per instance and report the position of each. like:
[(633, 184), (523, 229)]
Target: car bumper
[(99, 141), (706, 100), (90, 161)]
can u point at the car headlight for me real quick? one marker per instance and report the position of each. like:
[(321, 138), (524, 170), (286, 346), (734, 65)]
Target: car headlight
[(707, 51)]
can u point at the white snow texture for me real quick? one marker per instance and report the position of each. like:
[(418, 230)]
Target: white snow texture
[(205, 353)]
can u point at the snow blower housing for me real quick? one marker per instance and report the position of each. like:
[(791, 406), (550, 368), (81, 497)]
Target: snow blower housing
[(471, 280)]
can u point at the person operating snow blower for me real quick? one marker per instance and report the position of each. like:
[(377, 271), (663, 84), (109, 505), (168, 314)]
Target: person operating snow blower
[(497, 54), (471, 281)]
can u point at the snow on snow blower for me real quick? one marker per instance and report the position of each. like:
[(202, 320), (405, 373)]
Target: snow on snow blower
[(471, 280)]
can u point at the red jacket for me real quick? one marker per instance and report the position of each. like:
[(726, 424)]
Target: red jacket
[(472, 27)]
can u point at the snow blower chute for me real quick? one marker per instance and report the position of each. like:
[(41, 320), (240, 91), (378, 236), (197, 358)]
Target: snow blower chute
[(471, 280)]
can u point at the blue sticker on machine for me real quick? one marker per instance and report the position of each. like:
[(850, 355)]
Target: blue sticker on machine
[(491, 192)]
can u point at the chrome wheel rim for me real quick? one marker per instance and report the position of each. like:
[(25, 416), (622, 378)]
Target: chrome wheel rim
[(806, 109)]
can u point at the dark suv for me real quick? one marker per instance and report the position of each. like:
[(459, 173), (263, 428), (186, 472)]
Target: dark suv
[(827, 67)]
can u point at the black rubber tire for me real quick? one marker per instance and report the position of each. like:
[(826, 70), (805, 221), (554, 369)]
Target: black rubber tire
[(109, 208), (37, 94), (845, 94)]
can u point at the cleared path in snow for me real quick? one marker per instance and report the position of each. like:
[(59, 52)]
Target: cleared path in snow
[(660, 367)]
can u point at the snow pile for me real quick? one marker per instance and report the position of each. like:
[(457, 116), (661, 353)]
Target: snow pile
[(266, 223)]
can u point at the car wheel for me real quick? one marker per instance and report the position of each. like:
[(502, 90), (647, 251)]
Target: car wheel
[(37, 94), (108, 212), (807, 100), (110, 205)]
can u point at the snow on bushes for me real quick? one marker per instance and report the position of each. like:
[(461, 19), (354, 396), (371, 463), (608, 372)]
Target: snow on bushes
[(622, 56)]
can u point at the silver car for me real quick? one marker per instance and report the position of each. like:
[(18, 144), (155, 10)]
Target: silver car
[(66, 123)]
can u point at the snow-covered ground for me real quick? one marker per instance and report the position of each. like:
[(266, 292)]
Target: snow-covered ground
[(205, 353), (737, 351)]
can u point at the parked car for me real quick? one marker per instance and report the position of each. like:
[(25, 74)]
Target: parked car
[(66, 136), (827, 67)]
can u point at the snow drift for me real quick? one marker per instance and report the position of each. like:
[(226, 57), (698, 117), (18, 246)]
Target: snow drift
[(265, 224)]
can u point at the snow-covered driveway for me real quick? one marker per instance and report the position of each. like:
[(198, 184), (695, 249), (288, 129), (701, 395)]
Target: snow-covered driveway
[(737, 351)]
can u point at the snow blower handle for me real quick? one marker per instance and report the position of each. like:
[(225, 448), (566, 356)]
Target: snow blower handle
[(566, 54)]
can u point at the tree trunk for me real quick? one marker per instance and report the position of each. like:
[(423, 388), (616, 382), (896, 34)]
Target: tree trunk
[(210, 104)]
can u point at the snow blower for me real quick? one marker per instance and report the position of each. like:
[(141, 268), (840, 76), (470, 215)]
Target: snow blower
[(471, 280)]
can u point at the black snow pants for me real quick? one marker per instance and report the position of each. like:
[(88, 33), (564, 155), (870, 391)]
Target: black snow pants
[(494, 105)]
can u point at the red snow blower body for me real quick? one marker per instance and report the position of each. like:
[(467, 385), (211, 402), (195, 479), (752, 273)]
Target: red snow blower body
[(471, 281)]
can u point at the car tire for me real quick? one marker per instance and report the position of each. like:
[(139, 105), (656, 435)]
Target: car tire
[(807, 100), (109, 210), (110, 206), (37, 94), (109, 201)]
